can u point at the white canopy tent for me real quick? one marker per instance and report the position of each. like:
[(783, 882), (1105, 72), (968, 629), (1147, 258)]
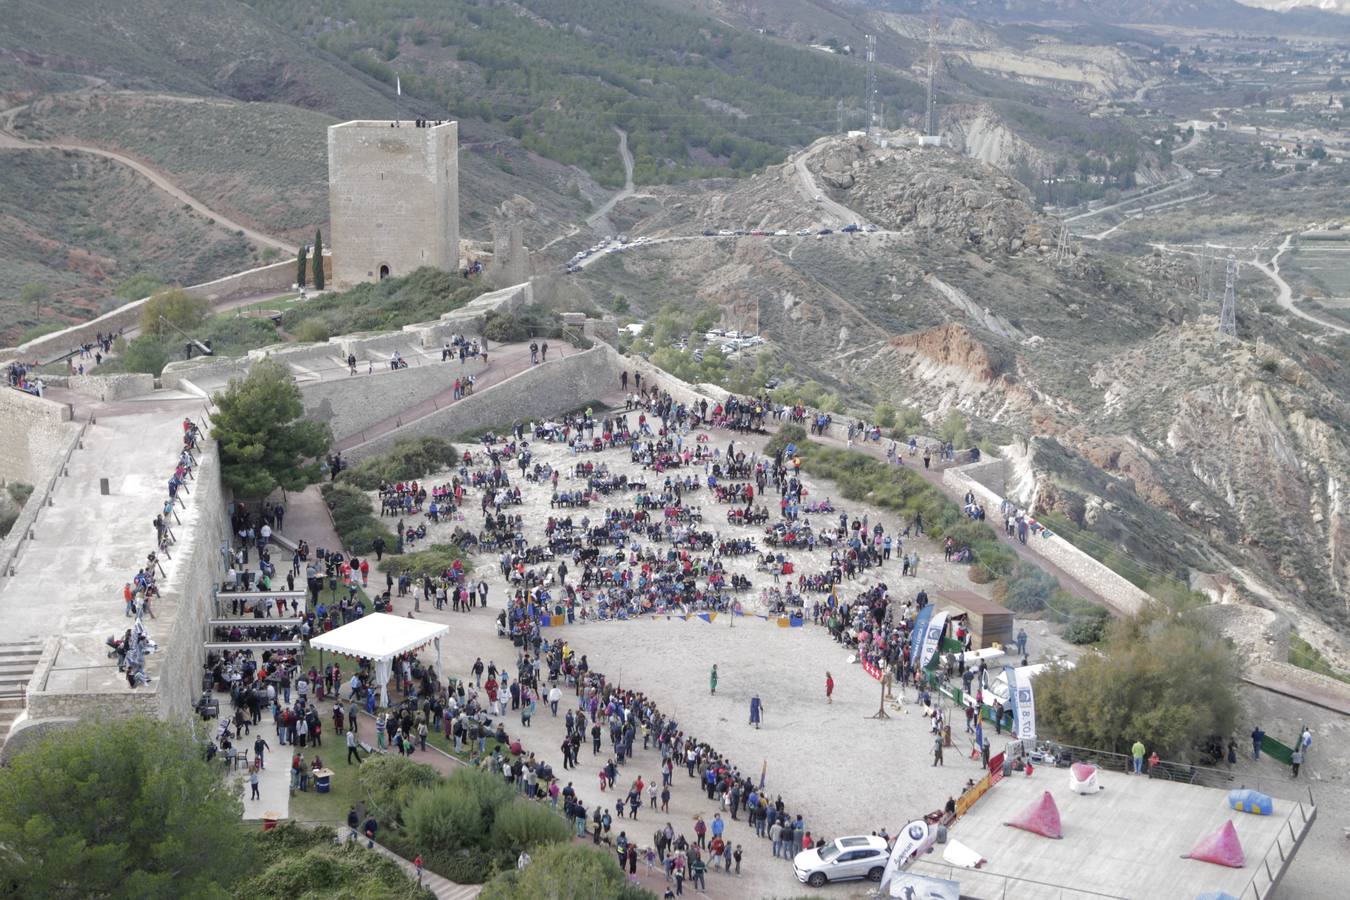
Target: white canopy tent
[(379, 638)]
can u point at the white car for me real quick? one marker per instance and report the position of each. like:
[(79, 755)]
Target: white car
[(863, 856), (782, 232)]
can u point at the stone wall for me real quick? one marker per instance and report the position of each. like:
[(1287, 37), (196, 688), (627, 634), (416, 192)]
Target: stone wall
[(33, 434), (469, 318), (538, 392), (111, 387), (182, 374), (1119, 592), (352, 404), (275, 277)]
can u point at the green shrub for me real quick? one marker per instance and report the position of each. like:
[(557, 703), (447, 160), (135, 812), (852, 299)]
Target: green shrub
[(352, 519), (19, 492), (457, 813), (527, 322), (435, 560), (388, 783), (883, 414), (311, 331), (568, 871), (409, 458), (1087, 627), (387, 305), (331, 870), (525, 825)]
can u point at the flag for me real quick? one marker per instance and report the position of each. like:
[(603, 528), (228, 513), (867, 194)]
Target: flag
[(915, 839), (916, 638), (763, 771), (932, 637), (1023, 702), (398, 84)]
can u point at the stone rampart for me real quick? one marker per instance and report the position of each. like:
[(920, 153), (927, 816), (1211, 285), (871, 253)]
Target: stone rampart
[(33, 433), (1116, 590), (275, 277), (538, 392), (351, 404), (111, 387)]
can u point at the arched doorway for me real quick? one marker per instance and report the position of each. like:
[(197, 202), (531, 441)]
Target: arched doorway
[(384, 272)]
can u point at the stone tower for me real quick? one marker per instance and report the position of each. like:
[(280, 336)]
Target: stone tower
[(393, 199)]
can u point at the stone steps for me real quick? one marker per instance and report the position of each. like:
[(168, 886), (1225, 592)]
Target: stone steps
[(17, 662)]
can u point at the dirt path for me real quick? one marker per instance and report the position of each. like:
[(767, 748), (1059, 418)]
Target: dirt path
[(11, 141), (602, 214), (810, 191), (1286, 297)]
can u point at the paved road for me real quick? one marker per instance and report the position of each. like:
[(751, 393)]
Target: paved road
[(1286, 296), (807, 187)]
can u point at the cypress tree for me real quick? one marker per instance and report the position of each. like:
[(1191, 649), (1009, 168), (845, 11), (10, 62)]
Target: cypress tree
[(318, 261), (300, 260)]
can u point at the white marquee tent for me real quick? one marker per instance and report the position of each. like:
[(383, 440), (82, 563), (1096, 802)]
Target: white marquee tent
[(379, 638)]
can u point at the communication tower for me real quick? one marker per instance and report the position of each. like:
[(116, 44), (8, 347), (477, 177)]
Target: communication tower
[(1228, 315), (871, 84), (930, 103)]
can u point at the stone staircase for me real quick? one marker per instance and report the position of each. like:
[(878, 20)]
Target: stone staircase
[(17, 662)]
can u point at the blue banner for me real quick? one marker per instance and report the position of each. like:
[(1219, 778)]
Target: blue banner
[(920, 631)]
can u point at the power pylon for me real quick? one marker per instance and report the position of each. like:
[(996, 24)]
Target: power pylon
[(1064, 250), (871, 84), (1203, 263), (1228, 314), (839, 109)]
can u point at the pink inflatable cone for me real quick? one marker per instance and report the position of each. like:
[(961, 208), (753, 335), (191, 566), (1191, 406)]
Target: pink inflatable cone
[(1082, 771), (1041, 817), (1221, 847)]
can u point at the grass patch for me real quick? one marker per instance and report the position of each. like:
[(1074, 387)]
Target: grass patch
[(433, 561), (229, 335), (1306, 656)]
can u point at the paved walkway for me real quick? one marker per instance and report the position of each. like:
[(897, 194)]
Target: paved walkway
[(443, 888)]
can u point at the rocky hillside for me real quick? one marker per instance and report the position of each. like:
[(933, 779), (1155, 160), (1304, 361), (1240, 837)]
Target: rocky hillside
[(1217, 462)]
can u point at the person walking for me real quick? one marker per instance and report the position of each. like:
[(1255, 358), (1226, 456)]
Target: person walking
[(712, 680), (937, 751), (829, 688), (351, 746), (418, 863), (756, 711), (1257, 737), (253, 781), (1137, 751), (1296, 759)]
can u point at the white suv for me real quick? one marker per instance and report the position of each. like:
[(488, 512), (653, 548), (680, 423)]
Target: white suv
[(841, 859)]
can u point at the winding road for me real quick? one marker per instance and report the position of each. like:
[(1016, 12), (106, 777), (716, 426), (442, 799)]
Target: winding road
[(1286, 297), (811, 192)]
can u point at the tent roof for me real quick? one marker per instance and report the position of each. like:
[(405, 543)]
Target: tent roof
[(379, 636)]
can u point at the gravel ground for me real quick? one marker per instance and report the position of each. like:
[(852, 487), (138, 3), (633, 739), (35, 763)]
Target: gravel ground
[(845, 771)]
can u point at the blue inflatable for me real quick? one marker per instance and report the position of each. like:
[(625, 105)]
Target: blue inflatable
[(1249, 801), (1215, 895)]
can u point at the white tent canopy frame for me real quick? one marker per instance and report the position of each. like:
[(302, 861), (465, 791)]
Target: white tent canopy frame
[(380, 637)]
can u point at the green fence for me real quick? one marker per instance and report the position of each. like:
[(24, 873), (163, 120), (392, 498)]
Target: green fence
[(1276, 750)]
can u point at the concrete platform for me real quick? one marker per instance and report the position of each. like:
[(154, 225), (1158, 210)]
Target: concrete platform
[(1125, 841)]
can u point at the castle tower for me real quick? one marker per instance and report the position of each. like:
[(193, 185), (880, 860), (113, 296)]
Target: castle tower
[(393, 199)]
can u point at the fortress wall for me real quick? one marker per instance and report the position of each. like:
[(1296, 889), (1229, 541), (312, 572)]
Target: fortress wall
[(536, 393), (33, 435), (351, 404), (111, 387), (183, 610), (275, 277), (1096, 577)]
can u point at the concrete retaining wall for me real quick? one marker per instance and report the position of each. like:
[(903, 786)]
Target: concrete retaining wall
[(352, 404), (469, 319), (540, 391), (275, 277), (1096, 577)]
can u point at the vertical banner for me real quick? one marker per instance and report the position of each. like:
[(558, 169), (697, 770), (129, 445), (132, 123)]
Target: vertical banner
[(915, 839), (916, 638), (933, 637), (1023, 703)]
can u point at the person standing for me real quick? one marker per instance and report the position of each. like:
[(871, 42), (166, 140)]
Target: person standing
[(1021, 642), (1296, 759), (1305, 741), (937, 750), (418, 863), (756, 710), (1257, 737), (712, 680), (351, 746), (1137, 751), (253, 781), (829, 688)]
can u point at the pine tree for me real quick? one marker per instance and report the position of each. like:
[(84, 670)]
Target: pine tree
[(300, 260), (318, 261)]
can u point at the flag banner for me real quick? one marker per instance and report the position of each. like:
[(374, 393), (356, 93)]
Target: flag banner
[(872, 670), (931, 637), (1023, 705), (915, 839), (917, 636)]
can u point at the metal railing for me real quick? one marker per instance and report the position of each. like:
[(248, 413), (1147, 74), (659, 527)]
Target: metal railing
[(22, 530)]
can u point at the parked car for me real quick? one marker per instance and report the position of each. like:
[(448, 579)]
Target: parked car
[(825, 231), (850, 228), (842, 859), (871, 227), (803, 232)]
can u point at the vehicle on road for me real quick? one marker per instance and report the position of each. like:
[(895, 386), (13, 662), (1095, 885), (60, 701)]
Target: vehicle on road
[(825, 231), (850, 228), (708, 232), (871, 227), (803, 232), (842, 859), (782, 232)]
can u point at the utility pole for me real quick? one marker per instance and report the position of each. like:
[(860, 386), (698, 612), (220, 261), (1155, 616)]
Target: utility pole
[(1228, 314), (839, 109), (871, 84), (930, 104)]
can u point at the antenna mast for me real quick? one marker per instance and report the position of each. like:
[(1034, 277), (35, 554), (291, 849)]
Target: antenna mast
[(1228, 314), (871, 84), (930, 104)]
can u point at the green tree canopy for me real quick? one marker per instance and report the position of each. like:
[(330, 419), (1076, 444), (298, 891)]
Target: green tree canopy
[(1162, 678), (125, 809), (170, 312), (301, 258), (318, 260), (264, 442), (565, 871)]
